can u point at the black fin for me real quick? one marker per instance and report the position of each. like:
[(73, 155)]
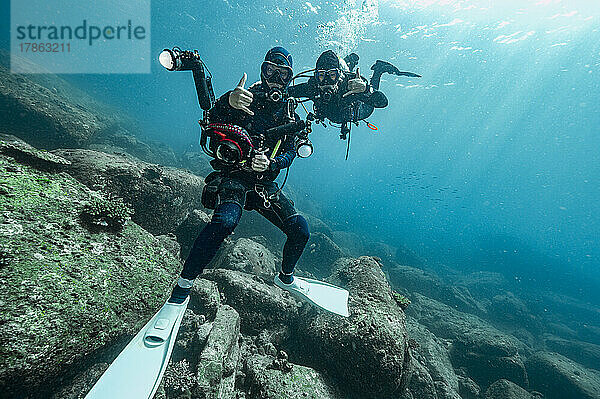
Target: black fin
[(385, 67)]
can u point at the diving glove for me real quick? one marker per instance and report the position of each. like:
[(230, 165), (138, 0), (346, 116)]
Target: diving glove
[(356, 85), (241, 98)]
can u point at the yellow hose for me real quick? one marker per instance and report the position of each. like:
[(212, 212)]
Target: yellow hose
[(276, 149)]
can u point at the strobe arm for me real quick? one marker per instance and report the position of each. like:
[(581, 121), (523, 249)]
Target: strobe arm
[(287, 129), (176, 59)]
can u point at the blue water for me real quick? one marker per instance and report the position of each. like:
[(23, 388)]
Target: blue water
[(490, 161)]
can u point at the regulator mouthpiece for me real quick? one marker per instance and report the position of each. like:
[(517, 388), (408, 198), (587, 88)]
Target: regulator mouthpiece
[(275, 95)]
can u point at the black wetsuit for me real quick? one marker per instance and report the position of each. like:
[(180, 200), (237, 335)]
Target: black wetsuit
[(338, 109), (238, 188)]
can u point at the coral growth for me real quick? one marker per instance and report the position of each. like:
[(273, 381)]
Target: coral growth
[(179, 377), (101, 214), (401, 300)]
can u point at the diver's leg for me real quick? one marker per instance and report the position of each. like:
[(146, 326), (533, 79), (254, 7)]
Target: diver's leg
[(375, 79), (297, 232), (380, 67), (224, 220), (283, 215)]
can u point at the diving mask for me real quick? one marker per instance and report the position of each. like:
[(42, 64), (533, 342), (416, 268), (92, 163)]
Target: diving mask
[(275, 73), (325, 76)]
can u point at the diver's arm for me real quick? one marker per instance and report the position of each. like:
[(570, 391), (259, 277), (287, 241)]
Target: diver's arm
[(284, 160), (234, 105), (356, 85), (367, 105), (289, 152), (375, 99), (221, 111)]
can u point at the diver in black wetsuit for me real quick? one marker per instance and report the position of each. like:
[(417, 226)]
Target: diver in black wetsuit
[(343, 96), (232, 188)]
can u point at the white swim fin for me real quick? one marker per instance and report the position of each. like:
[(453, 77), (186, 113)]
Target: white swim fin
[(324, 295), (137, 371)]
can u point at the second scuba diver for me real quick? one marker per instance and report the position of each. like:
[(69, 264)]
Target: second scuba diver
[(233, 187), (343, 96)]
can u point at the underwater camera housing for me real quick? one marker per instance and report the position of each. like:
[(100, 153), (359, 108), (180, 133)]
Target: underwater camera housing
[(176, 59), (232, 145), (228, 143)]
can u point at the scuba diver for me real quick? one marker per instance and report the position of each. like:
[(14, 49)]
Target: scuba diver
[(249, 184), (251, 134), (341, 95)]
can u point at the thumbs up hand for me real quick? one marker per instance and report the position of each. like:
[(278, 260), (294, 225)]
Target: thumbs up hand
[(356, 85), (241, 98)]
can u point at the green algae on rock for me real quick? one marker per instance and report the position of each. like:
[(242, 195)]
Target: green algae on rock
[(401, 300), (67, 291), (265, 382)]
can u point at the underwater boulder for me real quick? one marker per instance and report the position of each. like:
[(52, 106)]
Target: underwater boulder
[(196, 161), (319, 255), (443, 391), (119, 140), (467, 388), (161, 196), (50, 113), (189, 229), (192, 336), (82, 383), (350, 242), (484, 285), (584, 353), (218, 362), (247, 256), (266, 379), (383, 251), (504, 389), (430, 285), (486, 353), (357, 245), (571, 316), (69, 294), (261, 306), (24, 153), (509, 311), (406, 256), (205, 298), (433, 355), (558, 377), (420, 385), (367, 353)]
